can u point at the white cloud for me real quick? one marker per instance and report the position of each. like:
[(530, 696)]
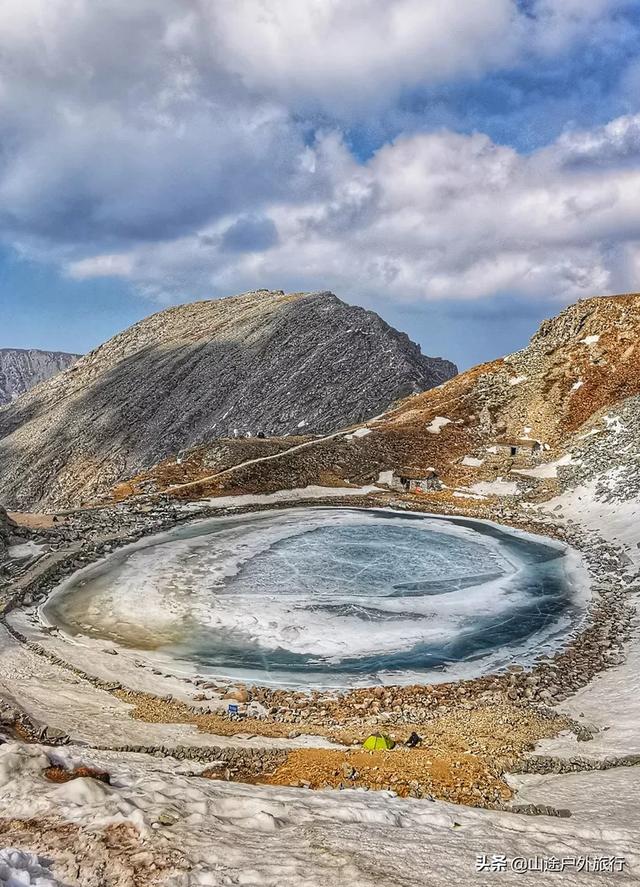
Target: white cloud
[(435, 216), (348, 56), (115, 265), (174, 144)]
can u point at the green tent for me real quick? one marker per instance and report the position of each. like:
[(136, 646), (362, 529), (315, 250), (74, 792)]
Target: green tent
[(377, 741)]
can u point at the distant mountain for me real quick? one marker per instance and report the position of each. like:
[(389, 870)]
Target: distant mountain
[(300, 363), (21, 369)]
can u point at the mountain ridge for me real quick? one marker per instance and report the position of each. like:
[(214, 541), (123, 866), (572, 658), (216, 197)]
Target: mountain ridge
[(578, 368), (23, 368), (265, 361)]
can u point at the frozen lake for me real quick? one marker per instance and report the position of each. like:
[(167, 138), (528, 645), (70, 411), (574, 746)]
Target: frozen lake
[(331, 597)]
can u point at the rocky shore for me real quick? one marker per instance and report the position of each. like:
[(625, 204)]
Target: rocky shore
[(473, 732)]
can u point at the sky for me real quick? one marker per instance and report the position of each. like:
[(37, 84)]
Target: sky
[(464, 169)]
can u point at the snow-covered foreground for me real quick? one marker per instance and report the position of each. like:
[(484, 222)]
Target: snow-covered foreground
[(228, 834), (611, 701), (217, 833)]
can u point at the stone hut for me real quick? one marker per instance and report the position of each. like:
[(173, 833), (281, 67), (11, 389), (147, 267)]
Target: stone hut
[(415, 480), (518, 451)]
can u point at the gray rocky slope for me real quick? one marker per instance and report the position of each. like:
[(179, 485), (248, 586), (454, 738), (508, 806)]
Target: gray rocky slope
[(4, 533), (21, 369), (264, 361)]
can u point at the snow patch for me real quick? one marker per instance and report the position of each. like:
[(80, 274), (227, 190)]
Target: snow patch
[(472, 462), (615, 521), (19, 868), (497, 487), (24, 550), (517, 380), (548, 470), (20, 761), (613, 423), (436, 426), (590, 340), (310, 492), (234, 833), (467, 494), (360, 432)]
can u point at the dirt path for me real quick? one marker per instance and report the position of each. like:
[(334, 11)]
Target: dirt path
[(226, 471)]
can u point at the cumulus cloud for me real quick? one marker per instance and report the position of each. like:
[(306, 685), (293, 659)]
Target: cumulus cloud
[(347, 57), (113, 132), (198, 148), (436, 216)]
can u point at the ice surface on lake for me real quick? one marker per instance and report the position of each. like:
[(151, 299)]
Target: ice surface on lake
[(329, 596)]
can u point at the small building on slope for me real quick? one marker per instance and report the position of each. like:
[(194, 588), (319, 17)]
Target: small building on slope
[(415, 480), (518, 451)]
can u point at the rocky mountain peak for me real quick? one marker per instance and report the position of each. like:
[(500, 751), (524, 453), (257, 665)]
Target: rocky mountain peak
[(263, 362), (21, 369)]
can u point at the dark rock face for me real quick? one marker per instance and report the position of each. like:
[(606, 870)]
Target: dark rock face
[(5, 527), (21, 369), (261, 362)]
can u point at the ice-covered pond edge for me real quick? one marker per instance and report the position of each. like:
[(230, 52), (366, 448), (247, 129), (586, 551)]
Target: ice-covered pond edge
[(574, 566)]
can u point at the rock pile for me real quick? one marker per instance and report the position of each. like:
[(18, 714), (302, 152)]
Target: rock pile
[(606, 451)]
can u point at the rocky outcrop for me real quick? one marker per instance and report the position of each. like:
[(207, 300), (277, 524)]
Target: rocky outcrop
[(21, 369), (5, 528), (281, 364)]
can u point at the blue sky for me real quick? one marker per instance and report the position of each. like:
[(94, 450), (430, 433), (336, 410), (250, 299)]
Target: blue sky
[(463, 169)]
